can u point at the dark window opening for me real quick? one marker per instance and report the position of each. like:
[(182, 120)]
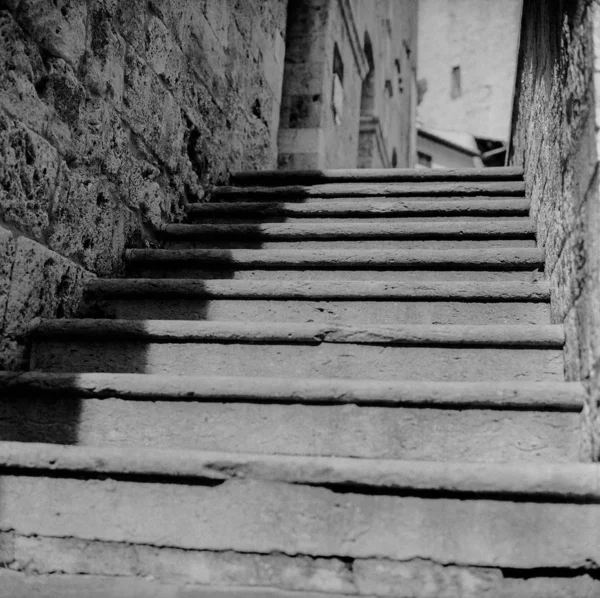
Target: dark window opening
[(367, 98), (455, 85), (424, 159), (399, 75), (337, 94), (389, 90), (394, 159)]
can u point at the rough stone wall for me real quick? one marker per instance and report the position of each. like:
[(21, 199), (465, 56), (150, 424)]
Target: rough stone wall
[(112, 116), (480, 36), (554, 138), (309, 136)]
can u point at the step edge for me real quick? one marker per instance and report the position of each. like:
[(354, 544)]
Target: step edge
[(549, 336), (270, 290), (565, 396), (377, 189), (355, 174), (519, 257), (572, 482), (354, 230)]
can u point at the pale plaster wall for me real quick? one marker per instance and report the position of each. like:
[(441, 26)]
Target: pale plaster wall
[(112, 116), (481, 37), (555, 138)]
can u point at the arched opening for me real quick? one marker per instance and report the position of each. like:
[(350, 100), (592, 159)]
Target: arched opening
[(367, 98), (394, 159)]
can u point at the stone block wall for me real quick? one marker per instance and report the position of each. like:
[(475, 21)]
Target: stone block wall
[(113, 115), (554, 137)]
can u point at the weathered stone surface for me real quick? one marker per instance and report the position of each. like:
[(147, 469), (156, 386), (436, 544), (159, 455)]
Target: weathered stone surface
[(107, 124), (257, 516), (43, 284), (555, 138), (7, 256), (549, 396), (29, 177), (474, 435), (64, 567), (329, 360)]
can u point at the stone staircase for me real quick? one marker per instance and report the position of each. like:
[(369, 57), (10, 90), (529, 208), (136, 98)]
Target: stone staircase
[(325, 384)]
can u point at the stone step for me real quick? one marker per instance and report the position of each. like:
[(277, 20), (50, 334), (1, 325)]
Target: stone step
[(193, 272), (418, 577), (494, 352), (288, 263), (498, 264), (365, 419), (360, 191), (376, 210), (365, 302), (172, 505), (518, 395), (382, 175), (356, 235), (286, 231), (351, 244)]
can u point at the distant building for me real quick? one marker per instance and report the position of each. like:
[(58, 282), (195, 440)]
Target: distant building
[(467, 60), (349, 86), (447, 149)]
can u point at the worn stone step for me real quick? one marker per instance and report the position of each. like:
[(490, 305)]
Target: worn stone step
[(522, 516), (348, 244), (313, 350), (365, 302), (399, 209), (190, 271), (352, 235), (347, 428), (278, 571), (344, 259), (353, 191), (364, 311), (360, 175), (518, 395), (225, 289), (298, 231)]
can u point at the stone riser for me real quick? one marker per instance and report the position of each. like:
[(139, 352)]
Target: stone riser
[(326, 360), (367, 312), (196, 218), (346, 244), (273, 517), (481, 435), (103, 570), (187, 270)]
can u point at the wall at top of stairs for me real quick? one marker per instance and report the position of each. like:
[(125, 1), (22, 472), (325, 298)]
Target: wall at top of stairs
[(112, 115), (554, 137)]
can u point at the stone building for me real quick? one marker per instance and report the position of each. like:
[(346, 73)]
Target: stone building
[(349, 91), (467, 57)]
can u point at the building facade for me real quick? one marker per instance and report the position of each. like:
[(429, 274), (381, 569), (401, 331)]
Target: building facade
[(349, 87), (467, 61)]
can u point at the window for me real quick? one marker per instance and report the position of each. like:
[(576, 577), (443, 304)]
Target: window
[(394, 159), (399, 75), (337, 96), (424, 159), (455, 84), (367, 98), (389, 90)]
